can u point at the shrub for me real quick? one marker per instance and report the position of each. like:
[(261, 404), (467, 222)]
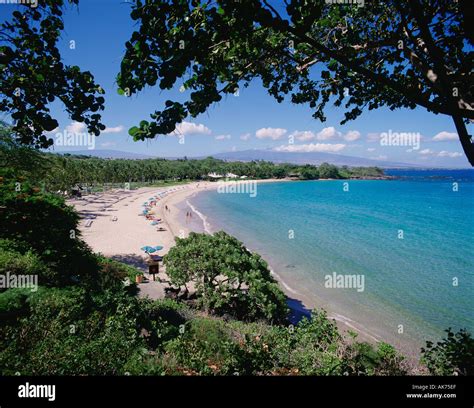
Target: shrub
[(114, 275), (228, 278), (47, 226), (454, 355), (67, 331), (29, 263), (205, 348), (13, 304)]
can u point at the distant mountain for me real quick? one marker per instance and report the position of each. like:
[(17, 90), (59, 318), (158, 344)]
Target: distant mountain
[(267, 155), (108, 154), (308, 158)]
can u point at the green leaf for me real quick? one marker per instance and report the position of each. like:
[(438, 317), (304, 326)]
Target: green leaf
[(133, 131)]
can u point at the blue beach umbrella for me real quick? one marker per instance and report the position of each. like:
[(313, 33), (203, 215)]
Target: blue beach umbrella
[(150, 249)]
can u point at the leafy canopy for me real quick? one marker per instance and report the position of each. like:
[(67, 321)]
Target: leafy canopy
[(397, 54), (32, 76)]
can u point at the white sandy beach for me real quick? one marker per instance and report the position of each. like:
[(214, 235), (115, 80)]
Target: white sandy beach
[(123, 238)]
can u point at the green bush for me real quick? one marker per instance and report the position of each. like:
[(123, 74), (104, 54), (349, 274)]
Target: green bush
[(48, 226), (204, 348), (453, 355), (68, 331), (228, 278), (114, 274), (29, 263), (13, 304)]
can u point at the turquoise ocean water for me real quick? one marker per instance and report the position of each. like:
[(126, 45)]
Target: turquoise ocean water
[(411, 238)]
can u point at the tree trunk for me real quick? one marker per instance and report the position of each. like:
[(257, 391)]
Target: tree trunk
[(465, 138)]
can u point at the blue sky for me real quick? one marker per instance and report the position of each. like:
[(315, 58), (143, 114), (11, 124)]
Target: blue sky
[(251, 120)]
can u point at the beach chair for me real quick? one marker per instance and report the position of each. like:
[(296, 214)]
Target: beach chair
[(88, 223), (114, 218)]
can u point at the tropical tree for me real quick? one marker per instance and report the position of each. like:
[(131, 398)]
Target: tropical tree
[(32, 75), (328, 171), (397, 54), (228, 278)]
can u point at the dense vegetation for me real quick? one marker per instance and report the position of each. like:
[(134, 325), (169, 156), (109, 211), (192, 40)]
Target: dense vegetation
[(85, 317), (54, 172), (69, 170), (227, 277)]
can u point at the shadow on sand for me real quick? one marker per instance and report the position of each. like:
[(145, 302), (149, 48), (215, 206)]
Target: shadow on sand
[(132, 260), (297, 310)]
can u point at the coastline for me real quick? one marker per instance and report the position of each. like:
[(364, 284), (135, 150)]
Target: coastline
[(122, 239), (300, 304)]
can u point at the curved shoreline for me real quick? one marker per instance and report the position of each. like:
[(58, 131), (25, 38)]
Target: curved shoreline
[(344, 323), (123, 239), (303, 303)]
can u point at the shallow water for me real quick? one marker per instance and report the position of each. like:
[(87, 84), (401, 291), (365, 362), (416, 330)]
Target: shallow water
[(410, 240)]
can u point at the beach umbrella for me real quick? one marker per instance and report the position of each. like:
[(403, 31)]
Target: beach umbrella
[(150, 249)]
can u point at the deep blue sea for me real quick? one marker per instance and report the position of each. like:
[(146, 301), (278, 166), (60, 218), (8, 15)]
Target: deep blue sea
[(410, 238)]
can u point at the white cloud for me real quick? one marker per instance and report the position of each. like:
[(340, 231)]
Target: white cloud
[(444, 153), (371, 149), (270, 133), (303, 135), (108, 144), (116, 129), (328, 133), (445, 136), (311, 147), (223, 137), (76, 127), (426, 152), (245, 136), (188, 128), (352, 135)]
